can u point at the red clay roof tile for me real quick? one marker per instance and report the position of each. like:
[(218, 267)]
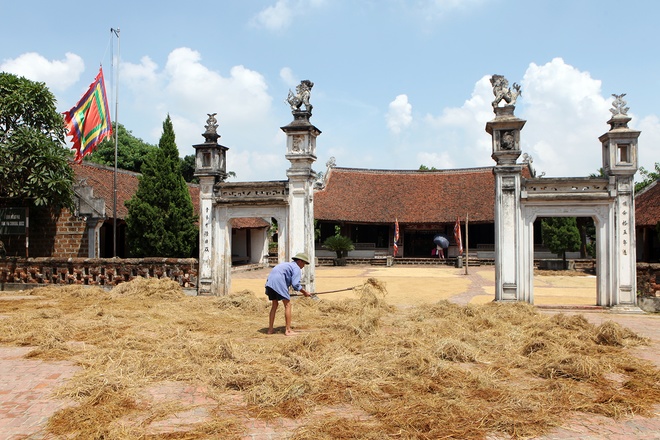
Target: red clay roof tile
[(100, 177), (647, 205), (380, 196)]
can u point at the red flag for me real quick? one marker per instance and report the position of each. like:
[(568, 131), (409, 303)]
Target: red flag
[(457, 236), (88, 122), (396, 236)]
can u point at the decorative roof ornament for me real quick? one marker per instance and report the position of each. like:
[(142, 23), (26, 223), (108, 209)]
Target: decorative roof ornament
[(620, 118), (528, 159), (303, 92), (619, 105), (211, 134), (503, 92), (322, 179)]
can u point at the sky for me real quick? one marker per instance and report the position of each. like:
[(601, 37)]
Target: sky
[(397, 83)]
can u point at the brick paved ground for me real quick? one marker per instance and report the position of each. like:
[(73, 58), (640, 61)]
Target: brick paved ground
[(26, 400), (26, 387)]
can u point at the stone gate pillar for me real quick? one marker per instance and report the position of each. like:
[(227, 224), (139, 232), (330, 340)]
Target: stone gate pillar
[(301, 152), (505, 131), (210, 167), (620, 164)]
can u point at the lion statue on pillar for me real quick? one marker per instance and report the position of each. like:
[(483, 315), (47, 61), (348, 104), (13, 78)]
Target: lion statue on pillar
[(502, 91), (303, 92)]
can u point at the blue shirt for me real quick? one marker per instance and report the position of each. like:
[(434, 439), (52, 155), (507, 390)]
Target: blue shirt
[(284, 275)]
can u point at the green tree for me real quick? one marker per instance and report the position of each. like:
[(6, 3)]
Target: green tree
[(131, 151), (648, 177), (188, 168), (425, 168), (161, 219), (338, 243), (34, 163), (560, 235)]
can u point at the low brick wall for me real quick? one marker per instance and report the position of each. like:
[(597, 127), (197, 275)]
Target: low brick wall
[(112, 271), (96, 271)]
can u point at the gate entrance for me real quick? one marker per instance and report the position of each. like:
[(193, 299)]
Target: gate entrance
[(520, 201), (290, 202)]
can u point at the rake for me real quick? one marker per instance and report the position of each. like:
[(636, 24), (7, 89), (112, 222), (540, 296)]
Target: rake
[(327, 291)]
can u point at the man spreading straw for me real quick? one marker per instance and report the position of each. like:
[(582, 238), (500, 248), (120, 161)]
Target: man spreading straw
[(283, 276)]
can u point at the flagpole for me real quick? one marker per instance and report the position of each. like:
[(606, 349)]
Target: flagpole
[(114, 177), (466, 243)]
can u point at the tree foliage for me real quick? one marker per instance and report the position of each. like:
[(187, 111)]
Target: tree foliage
[(161, 219), (338, 243), (33, 159), (560, 235), (131, 151), (648, 177), (587, 231), (188, 168)]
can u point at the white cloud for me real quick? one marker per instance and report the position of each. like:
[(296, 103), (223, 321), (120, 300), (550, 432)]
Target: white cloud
[(441, 160), (187, 90), (280, 15), (286, 74), (57, 74), (459, 131), (243, 94), (254, 165), (399, 115), (139, 75), (649, 141), (566, 113), (276, 17), (431, 10)]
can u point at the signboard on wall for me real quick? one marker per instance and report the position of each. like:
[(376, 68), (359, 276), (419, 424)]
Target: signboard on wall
[(13, 221)]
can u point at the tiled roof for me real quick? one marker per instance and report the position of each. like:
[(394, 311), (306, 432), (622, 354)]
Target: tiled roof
[(248, 222), (100, 177), (647, 205), (380, 196)]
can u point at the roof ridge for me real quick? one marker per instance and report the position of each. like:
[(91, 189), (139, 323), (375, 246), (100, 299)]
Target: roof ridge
[(105, 167), (386, 171)]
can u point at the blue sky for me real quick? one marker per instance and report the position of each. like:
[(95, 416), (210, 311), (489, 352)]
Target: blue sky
[(397, 83)]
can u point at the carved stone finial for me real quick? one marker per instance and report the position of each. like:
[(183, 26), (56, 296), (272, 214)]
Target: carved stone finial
[(503, 92), (620, 118), (303, 92), (619, 105), (211, 134), (322, 179), (528, 159)]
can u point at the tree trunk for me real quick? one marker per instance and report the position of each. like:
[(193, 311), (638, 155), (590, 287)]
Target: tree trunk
[(582, 227)]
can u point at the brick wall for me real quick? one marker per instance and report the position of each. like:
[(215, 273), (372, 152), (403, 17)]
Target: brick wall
[(51, 234), (96, 271), (648, 279), (71, 239)]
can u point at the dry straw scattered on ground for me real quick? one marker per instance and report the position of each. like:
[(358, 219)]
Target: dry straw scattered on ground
[(428, 372)]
